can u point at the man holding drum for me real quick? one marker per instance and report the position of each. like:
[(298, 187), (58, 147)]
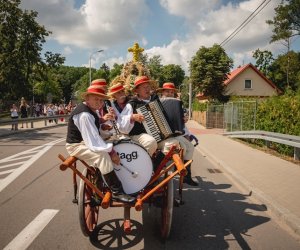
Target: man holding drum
[(85, 143)]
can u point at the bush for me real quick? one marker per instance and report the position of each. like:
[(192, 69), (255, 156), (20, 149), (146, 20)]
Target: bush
[(280, 114)]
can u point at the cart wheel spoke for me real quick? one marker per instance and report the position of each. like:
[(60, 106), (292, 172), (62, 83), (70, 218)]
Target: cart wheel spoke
[(167, 209), (88, 215)]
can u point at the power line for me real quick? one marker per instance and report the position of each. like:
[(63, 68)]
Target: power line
[(245, 22)]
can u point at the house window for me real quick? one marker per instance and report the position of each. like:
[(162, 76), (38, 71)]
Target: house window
[(248, 84)]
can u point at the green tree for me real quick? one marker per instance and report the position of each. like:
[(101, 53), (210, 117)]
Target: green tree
[(263, 60), (67, 77), (104, 71), (172, 73), (21, 39), (209, 69), (155, 67), (115, 71), (279, 67), (286, 22), (54, 60), (144, 58)]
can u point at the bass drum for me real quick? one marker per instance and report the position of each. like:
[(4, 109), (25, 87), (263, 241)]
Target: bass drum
[(135, 169)]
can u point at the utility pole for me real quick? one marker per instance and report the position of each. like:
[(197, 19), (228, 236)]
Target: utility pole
[(190, 99)]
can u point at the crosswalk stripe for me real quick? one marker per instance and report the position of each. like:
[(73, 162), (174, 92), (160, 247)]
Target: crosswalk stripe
[(12, 164), (8, 179)]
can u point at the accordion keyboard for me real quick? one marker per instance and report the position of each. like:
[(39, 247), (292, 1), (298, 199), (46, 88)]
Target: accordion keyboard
[(155, 122)]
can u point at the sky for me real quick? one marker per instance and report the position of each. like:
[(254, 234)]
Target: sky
[(173, 29)]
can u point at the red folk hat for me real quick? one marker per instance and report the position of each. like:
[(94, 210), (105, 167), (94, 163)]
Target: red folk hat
[(95, 89), (99, 82), (168, 86), (115, 88), (141, 79)]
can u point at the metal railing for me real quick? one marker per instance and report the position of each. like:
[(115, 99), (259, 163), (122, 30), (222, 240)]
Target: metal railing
[(32, 120), (290, 140)]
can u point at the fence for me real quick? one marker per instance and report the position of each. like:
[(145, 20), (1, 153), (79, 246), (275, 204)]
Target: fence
[(232, 116)]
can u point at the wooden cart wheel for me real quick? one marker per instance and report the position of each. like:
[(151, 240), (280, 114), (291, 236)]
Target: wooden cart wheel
[(167, 209), (88, 212)]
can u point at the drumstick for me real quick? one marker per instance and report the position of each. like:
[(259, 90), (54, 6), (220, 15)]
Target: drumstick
[(134, 174)]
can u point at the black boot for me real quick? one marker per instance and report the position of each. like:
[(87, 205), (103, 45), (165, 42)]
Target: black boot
[(188, 178), (116, 188)]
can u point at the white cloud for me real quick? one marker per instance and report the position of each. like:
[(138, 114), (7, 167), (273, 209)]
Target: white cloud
[(190, 9), (67, 51), (105, 23), (96, 24), (216, 25)]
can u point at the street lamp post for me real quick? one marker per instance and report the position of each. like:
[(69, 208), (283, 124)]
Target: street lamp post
[(98, 51), (190, 100)]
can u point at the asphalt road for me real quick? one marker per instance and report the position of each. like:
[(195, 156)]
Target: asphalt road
[(216, 215)]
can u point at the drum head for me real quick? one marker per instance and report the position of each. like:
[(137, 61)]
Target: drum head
[(135, 169)]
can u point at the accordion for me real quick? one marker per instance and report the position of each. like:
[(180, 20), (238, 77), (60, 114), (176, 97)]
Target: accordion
[(163, 119)]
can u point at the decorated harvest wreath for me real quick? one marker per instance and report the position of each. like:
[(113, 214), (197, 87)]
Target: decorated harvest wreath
[(133, 69)]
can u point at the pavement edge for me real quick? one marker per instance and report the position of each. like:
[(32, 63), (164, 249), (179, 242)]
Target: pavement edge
[(282, 213)]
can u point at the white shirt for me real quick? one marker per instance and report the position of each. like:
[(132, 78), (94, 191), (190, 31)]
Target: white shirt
[(123, 118), (85, 122)]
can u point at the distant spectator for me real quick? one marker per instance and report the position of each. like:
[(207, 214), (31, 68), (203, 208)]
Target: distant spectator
[(24, 111), (61, 111), (50, 112), (14, 115), (37, 109)]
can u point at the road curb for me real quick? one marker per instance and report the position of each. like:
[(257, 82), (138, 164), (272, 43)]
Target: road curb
[(282, 213), (13, 132)]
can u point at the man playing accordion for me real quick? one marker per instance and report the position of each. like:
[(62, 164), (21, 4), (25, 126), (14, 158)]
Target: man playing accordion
[(167, 99)]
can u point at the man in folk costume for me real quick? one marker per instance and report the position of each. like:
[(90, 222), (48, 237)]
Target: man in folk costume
[(168, 92), (126, 118), (85, 143), (144, 95)]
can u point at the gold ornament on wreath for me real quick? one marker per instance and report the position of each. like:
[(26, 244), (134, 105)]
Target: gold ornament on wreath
[(135, 68)]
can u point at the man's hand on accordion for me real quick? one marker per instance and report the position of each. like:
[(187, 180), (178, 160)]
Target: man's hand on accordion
[(137, 118)]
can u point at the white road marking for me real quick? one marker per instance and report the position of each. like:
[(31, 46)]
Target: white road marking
[(19, 158), (12, 164), (32, 230), (6, 171), (18, 171)]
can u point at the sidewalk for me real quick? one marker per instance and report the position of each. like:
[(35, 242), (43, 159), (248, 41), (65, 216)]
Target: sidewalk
[(272, 180), (6, 129)]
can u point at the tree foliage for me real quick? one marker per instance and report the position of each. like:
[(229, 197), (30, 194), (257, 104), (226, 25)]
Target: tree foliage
[(264, 60), (115, 71), (21, 40), (209, 69), (278, 71), (155, 66), (286, 22), (172, 73)]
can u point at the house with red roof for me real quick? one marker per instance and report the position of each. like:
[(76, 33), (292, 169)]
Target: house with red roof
[(247, 81)]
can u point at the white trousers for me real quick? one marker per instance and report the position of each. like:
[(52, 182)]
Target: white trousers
[(188, 147), (147, 141), (99, 160)]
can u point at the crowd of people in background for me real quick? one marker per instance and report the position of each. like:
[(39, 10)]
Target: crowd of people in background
[(38, 110)]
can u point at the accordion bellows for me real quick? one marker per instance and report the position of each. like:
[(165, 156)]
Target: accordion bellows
[(163, 119)]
